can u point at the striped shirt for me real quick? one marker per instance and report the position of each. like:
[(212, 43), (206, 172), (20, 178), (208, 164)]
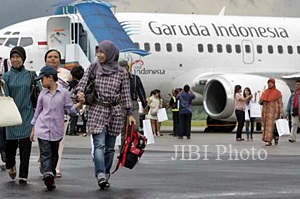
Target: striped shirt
[(17, 86), (109, 88)]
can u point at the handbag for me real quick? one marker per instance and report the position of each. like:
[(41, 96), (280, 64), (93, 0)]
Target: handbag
[(294, 111), (9, 112), (90, 89), (34, 90), (153, 112)]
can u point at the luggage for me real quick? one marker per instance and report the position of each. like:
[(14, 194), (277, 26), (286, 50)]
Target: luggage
[(132, 148)]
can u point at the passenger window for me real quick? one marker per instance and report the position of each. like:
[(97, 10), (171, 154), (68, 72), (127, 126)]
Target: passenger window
[(210, 48), (259, 49), (200, 48), (157, 47), (137, 45), (16, 33), (237, 48), (179, 47), (228, 48), (2, 40), (7, 33), (247, 49), (12, 42), (169, 47), (26, 41), (219, 48), (298, 49), (147, 47), (270, 49), (280, 49), (290, 49)]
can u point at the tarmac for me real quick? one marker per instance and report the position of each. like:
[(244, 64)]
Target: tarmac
[(209, 165)]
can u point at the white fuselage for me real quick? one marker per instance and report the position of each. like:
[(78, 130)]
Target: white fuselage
[(186, 49)]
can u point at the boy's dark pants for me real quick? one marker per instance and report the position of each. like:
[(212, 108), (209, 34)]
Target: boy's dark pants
[(48, 155)]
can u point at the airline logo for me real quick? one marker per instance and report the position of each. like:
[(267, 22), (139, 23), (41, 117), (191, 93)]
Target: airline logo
[(233, 30), (131, 27)]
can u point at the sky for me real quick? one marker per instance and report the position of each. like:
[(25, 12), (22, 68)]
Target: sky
[(13, 11)]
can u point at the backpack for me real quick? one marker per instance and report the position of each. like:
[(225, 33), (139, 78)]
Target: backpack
[(132, 148)]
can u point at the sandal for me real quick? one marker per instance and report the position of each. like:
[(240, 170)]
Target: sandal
[(58, 175), (268, 144)]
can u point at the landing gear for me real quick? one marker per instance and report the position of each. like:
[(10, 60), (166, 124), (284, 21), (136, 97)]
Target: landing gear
[(219, 126)]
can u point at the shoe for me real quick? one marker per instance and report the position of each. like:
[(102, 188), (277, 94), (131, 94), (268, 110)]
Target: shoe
[(84, 135), (247, 137), (276, 140), (22, 180), (58, 175), (180, 137), (102, 183), (49, 182), (290, 140), (3, 156), (188, 137), (240, 139), (107, 184), (268, 144), (12, 172)]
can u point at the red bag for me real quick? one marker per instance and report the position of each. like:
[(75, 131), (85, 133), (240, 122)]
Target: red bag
[(132, 148)]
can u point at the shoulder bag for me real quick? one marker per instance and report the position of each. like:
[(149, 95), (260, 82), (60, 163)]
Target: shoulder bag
[(34, 90), (90, 89), (9, 112)]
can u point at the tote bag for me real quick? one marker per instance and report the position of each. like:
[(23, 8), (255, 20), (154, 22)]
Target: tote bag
[(282, 126), (9, 112), (255, 109), (148, 131), (162, 115)]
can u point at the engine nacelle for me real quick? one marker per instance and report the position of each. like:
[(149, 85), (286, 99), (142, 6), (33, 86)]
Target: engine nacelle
[(218, 95)]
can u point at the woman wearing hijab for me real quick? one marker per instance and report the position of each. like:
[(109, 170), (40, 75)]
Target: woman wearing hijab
[(105, 116), (271, 101), (53, 58), (18, 85)]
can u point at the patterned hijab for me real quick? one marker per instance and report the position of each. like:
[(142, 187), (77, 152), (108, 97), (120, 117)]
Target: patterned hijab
[(112, 55), (271, 94)]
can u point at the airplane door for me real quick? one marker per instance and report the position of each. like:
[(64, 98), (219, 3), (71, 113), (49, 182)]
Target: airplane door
[(58, 33), (248, 52)]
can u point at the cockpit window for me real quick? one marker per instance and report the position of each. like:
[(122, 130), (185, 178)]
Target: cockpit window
[(16, 33), (2, 40), (7, 33), (26, 41), (12, 42)]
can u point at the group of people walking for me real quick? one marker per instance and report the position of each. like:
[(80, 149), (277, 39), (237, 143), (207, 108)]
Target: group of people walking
[(272, 110), (48, 123)]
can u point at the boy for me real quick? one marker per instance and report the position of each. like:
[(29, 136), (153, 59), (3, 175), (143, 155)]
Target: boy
[(48, 121)]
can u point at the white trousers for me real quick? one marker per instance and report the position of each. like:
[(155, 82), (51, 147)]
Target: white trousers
[(295, 125), (62, 145)]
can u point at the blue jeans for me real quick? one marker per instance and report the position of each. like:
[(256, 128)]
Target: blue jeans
[(104, 150)]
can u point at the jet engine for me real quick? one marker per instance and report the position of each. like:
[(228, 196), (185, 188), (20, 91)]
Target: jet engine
[(218, 94)]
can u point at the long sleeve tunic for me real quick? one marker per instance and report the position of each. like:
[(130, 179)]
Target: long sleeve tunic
[(17, 86), (110, 88)]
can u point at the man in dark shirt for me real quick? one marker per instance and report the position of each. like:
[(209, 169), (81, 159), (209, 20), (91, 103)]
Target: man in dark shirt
[(136, 92), (175, 110)]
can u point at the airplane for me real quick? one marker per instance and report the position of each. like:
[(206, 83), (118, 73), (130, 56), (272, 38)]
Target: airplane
[(210, 53)]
